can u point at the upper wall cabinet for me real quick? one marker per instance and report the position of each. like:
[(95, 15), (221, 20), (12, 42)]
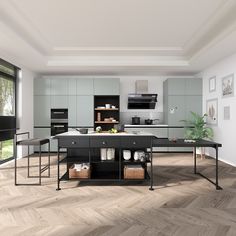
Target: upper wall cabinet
[(107, 86), (42, 86), (59, 101), (194, 86), (184, 86), (42, 106), (84, 86), (59, 86)]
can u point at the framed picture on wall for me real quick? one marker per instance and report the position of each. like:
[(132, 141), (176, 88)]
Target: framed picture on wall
[(212, 84), (228, 86), (212, 111)]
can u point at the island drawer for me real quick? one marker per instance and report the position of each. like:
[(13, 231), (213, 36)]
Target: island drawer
[(136, 142), (104, 142), (74, 142)]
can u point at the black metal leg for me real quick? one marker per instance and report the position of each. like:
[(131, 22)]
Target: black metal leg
[(151, 177), (217, 181), (40, 160), (28, 167), (195, 160), (49, 157), (15, 154), (58, 169)]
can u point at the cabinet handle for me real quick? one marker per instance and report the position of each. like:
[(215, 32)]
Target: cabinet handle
[(134, 143), (103, 142), (73, 142)]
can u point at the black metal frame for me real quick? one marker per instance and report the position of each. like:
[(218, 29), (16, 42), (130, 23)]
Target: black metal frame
[(162, 142), (41, 170), (150, 179)]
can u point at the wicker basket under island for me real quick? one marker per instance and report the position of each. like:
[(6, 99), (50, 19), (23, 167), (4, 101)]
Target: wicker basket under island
[(134, 172), (80, 174)]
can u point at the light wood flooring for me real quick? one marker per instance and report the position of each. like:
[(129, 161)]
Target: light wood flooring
[(182, 203)]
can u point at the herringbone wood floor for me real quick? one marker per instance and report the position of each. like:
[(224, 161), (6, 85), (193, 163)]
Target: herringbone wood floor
[(182, 203)]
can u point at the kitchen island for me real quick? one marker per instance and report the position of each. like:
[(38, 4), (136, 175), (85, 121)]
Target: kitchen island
[(86, 148)]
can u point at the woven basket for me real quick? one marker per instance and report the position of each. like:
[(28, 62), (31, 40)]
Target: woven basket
[(133, 173), (83, 174)]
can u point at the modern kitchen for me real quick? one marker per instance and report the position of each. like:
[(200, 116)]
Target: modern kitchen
[(124, 129)]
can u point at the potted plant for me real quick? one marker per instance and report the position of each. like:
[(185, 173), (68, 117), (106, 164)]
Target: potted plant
[(196, 129)]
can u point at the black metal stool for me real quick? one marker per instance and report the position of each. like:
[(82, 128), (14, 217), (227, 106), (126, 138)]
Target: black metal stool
[(32, 142)]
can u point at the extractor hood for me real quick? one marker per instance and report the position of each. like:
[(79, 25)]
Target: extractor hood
[(142, 101)]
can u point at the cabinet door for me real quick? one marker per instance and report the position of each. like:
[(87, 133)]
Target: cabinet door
[(84, 86), (72, 110), (193, 86), (42, 133), (85, 110), (193, 103), (59, 101), (59, 86), (108, 86), (72, 86), (176, 110), (42, 86), (42, 110), (176, 86)]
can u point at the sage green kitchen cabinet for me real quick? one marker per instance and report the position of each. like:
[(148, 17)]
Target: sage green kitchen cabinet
[(84, 86), (42, 86), (72, 111), (59, 101), (176, 110), (193, 103), (193, 86), (42, 105), (106, 86), (72, 86), (85, 110), (176, 86), (59, 86)]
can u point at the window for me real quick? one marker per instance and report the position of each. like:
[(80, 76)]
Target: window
[(8, 79)]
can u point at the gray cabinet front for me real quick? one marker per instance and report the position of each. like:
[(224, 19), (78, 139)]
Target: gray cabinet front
[(59, 86), (176, 86), (84, 109), (193, 103), (194, 86), (42, 106), (84, 86), (59, 101), (42, 86), (106, 86), (72, 110)]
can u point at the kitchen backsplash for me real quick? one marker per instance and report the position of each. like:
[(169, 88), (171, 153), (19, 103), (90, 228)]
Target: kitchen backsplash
[(126, 117)]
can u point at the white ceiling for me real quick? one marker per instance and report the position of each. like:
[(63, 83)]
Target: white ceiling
[(143, 37)]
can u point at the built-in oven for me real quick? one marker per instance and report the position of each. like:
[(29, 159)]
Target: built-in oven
[(59, 121)]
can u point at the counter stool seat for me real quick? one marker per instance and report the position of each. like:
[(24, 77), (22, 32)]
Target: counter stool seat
[(33, 142)]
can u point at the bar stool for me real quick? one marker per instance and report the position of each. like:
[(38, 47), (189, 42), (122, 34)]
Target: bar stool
[(32, 142)]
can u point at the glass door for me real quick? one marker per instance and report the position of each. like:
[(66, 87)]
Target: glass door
[(8, 78)]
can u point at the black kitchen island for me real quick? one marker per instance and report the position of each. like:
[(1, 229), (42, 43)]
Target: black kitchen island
[(85, 148)]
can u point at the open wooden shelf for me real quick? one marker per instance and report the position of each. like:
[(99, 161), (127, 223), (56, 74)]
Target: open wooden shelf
[(106, 122), (104, 109)]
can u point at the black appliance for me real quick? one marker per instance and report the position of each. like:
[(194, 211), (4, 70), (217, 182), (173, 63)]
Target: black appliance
[(135, 120), (149, 121), (142, 101), (59, 121)]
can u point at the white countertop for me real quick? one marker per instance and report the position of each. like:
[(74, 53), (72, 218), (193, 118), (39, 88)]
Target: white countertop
[(94, 134), (148, 126)]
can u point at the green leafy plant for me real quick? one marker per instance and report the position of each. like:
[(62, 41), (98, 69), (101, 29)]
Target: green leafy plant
[(196, 128)]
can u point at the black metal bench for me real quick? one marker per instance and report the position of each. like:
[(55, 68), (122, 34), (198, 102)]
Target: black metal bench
[(32, 142)]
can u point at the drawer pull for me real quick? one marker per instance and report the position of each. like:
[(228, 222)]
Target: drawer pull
[(134, 143), (103, 142), (73, 142)]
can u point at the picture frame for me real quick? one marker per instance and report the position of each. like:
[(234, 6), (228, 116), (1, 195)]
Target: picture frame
[(212, 84), (228, 86), (212, 111)]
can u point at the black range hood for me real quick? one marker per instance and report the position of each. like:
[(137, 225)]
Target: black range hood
[(142, 101)]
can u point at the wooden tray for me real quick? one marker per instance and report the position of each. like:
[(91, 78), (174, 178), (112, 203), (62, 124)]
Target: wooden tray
[(133, 173)]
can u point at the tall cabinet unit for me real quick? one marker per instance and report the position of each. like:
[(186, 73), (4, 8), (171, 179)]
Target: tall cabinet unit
[(181, 96)]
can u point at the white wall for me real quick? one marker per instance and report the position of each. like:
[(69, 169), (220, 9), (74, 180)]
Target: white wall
[(225, 131), (25, 106)]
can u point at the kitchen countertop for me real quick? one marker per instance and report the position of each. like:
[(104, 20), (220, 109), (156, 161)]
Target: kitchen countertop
[(94, 134), (154, 126)]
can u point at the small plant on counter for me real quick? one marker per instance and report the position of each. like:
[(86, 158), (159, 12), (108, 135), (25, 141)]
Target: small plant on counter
[(113, 131), (99, 129), (197, 129)]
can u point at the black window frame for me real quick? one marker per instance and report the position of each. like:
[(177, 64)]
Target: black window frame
[(8, 124)]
